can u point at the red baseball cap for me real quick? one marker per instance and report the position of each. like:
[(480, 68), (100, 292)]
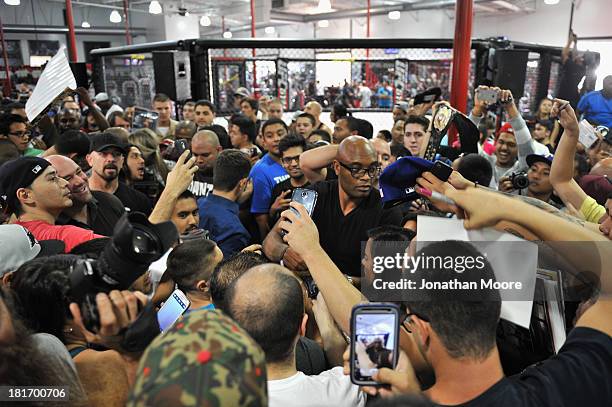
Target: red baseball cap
[(505, 128)]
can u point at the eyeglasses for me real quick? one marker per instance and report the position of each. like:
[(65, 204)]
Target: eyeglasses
[(358, 172), (289, 160), (22, 134)]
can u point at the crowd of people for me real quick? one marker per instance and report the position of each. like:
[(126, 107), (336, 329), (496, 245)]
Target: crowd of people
[(246, 257)]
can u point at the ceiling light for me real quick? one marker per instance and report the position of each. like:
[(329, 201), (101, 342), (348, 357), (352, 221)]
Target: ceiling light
[(85, 24), (155, 7), (227, 34), (551, 2), (324, 6), (323, 24), (115, 17), (186, 13), (394, 15), (12, 2), (269, 30), (205, 21)]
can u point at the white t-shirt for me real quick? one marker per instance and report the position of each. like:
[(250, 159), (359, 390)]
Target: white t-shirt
[(330, 388), (366, 94)]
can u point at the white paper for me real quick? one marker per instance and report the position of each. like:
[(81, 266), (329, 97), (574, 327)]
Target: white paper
[(433, 229), (587, 134), (54, 80)]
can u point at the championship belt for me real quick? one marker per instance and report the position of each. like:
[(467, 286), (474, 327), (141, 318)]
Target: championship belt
[(443, 116)]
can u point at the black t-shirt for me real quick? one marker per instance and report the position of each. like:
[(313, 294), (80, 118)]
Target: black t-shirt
[(132, 200), (570, 76), (103, 212), (579, 375), (201, 185), (341, 235), (279, 189)]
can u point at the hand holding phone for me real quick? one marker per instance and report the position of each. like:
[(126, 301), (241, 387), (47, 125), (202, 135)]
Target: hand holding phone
[(374, 341), (173, 308), (441, 170), (306, 197), (489, 96), (180, 146)]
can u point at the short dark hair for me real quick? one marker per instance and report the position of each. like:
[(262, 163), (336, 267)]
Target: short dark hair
[(582, 164), (320, 132), (309, 117), (549, 124), (204, 102), (43, 288), (228, 271), (189, 103), (73, 141), (231, 167), (186, 124), (277, 325), (252, 102), (386, 134), (186, 194), (351, 122), (475, 168), (389, 233), (340, 110), (112, 118), (190, 262), (7, 119), (161, 97), (291, 140), (365, 128), (271, 122), (245, 125), (467, 329), (422, 120)]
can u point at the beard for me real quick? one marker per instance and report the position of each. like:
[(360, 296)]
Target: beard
[(108, 177)]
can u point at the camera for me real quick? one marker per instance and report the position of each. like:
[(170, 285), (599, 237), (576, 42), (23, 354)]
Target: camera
[(135, 244), (519, 180)]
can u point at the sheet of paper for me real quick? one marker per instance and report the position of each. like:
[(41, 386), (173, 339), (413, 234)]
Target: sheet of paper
[(587, 134), (504, 262), (56, 78)]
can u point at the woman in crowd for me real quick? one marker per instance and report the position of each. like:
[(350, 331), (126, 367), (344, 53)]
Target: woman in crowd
[(156, 170)]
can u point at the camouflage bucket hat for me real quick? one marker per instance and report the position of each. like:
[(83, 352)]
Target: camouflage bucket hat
[(206, 359)]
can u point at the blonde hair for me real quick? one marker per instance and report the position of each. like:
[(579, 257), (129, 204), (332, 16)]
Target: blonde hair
[(148, 142)]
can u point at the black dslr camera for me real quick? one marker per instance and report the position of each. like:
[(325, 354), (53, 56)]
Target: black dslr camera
[(519, 180), (135, 244)]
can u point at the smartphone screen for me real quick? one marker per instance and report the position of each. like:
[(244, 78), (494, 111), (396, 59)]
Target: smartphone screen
[(144, 119), (306, 197), (172, 309), (488, 95), (374, 340)]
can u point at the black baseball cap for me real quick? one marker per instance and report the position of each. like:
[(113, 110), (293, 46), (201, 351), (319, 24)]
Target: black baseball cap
[(102, 141), (534, 158), (19, 173)]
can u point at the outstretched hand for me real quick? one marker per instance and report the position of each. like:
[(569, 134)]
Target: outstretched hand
[(302, 234)]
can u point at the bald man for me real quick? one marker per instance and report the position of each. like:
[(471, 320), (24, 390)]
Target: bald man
[(94, 210), (274, 294), (315, 109), (346, 208), (205, 147)]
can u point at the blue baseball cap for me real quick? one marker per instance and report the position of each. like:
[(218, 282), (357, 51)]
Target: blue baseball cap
[(397, 181)]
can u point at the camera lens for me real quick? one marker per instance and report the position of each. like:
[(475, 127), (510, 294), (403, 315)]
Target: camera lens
[(304, 194), (142, 242)]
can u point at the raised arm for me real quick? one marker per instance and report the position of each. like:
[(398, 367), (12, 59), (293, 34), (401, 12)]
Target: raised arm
[(97, 114), (314, 162)]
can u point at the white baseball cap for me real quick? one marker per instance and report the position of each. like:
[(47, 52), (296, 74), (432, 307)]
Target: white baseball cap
[(18, 245)]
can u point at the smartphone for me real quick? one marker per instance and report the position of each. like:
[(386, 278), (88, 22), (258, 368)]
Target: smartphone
[(311, 287), (173, 308), (144, 118), (374, 340), (306, 197), (490, 96), (442, 170), (180, 146)]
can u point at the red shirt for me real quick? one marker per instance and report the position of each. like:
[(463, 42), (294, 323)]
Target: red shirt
[(71, 235)]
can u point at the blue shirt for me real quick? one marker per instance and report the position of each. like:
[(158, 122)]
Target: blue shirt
[(219, 216), (385, 103), (596, 108), (265, 175)]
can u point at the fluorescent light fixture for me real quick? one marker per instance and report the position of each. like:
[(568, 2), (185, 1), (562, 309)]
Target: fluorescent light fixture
[(115, 17), (394, 15), (269, 30), (323, 24), (12, 2), (324, 6), (551, 2), (155, 7), (505, 4), (85, 24), (227, 34), (205, 21), (480, 7)]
